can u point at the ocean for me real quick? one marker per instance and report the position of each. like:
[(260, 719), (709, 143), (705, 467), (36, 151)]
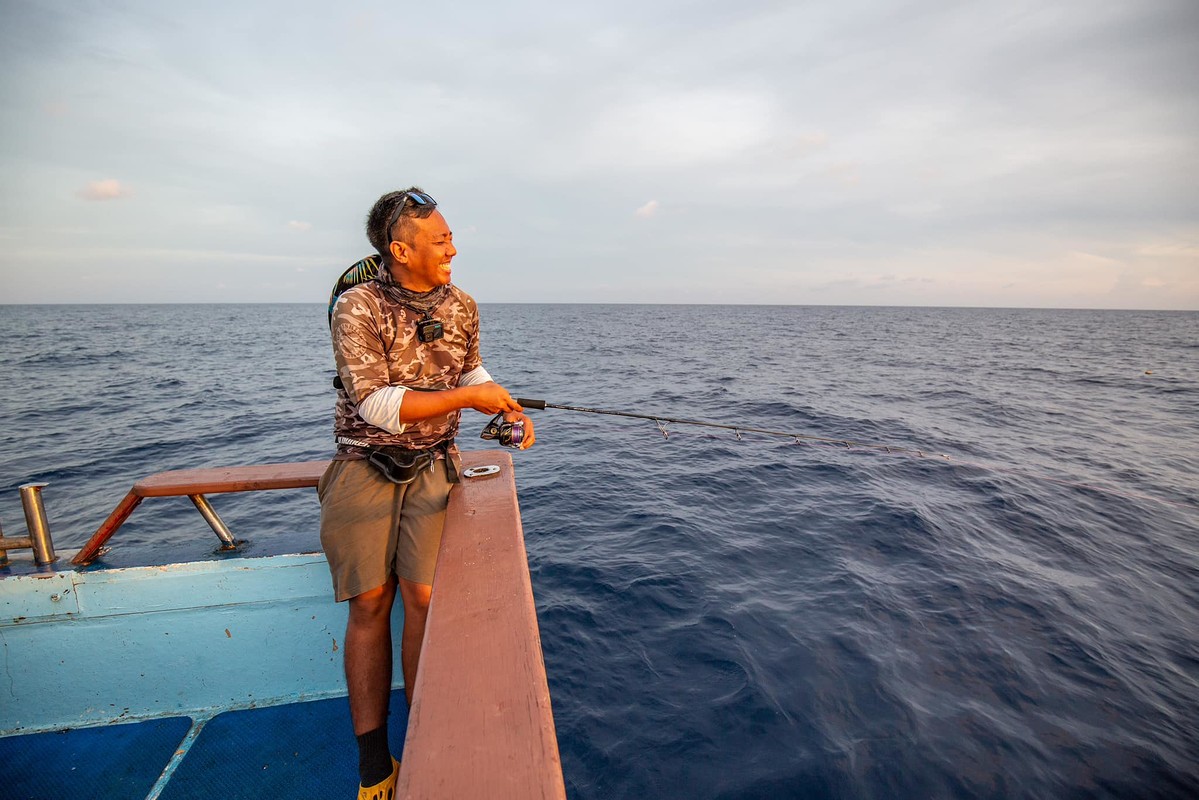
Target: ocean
[(1011, 612)]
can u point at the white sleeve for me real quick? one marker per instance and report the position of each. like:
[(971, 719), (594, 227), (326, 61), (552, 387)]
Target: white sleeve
[(382, 408), (475, 377)]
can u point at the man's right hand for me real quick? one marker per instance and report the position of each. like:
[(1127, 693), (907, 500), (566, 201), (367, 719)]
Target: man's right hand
[(491, 398)]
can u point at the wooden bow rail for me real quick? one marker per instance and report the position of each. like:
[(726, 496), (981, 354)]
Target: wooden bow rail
[(195, 484)]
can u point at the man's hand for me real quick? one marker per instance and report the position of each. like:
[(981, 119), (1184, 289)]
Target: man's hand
[(491, 398), (513, 416)]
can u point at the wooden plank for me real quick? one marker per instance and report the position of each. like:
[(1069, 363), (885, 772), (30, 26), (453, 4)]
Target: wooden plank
[(221, 480), (481, 723)]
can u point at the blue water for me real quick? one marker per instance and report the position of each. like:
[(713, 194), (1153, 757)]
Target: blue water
[(740, 619)]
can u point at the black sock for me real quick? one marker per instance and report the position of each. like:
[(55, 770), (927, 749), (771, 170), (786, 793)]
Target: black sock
[(374, 756)]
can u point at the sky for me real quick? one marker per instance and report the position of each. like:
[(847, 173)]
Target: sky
[(1027, 153)]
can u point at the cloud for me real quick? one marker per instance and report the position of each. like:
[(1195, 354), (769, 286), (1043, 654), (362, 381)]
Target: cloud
[(807, 143), (871, 138), (845, 172), (107, 189), (648, 210), (677, 129)]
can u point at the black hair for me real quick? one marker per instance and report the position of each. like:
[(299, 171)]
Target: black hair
[(384, 210)]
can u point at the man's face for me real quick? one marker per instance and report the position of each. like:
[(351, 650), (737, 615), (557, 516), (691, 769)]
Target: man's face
[(423, 263)]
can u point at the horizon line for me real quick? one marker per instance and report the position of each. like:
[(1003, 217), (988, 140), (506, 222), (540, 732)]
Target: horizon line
[(620, 303)]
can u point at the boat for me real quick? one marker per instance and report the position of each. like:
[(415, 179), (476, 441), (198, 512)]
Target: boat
[(224, 677)]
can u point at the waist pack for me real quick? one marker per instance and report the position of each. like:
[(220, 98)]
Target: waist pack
[(401, 465)]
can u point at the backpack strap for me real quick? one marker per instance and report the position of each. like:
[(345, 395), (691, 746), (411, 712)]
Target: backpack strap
[(362, 271)]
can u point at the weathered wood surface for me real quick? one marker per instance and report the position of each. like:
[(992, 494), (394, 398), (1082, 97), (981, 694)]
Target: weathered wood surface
[(221, 480), (481, 725)]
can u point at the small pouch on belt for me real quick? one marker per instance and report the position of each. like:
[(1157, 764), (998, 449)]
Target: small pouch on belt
[(398, 464)]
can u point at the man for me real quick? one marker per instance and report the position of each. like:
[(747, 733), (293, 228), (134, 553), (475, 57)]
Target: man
[(406, 347)]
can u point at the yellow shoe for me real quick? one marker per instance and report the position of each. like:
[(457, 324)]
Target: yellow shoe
[(384, 789)]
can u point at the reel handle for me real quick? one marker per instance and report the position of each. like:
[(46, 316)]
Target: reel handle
[(538, 405)]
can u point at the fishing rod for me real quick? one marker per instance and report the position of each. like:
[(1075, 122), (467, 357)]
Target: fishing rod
[(662, 421), (511, 434)]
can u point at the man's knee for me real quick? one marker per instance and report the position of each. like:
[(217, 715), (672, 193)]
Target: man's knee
[(372, 605), (415, 597)]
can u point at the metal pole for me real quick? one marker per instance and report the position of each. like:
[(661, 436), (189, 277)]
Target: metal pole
[(215, 522), (35, 520)]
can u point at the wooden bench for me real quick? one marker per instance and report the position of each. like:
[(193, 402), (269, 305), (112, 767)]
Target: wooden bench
[(195, 484)]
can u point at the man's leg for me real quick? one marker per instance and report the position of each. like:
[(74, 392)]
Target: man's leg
[(415, 597), (358, 524), (368, 681), (368, 656), (421, 524)]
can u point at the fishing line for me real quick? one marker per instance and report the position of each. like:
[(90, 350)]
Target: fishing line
[(661, 421)]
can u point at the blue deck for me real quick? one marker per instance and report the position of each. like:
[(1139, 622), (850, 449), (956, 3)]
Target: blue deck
[(111, 761), (295, 750)]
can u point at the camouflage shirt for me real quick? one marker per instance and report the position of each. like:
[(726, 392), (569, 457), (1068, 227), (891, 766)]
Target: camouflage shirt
[(375, 345)]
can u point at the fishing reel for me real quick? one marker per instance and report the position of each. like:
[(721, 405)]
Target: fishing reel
[(508, 434)]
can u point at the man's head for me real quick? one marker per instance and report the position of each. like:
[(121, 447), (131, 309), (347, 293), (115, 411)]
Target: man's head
[(417, 245), (391, 217)]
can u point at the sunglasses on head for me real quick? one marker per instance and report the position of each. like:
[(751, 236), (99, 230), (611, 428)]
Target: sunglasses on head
[(419, 198)]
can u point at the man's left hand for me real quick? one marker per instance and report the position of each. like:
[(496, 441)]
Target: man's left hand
[(529, 438)]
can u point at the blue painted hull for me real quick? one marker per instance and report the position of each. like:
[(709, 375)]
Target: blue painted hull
[(92, 647)]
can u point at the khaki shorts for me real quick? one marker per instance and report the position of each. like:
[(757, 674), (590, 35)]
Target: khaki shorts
[(372, 528)]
